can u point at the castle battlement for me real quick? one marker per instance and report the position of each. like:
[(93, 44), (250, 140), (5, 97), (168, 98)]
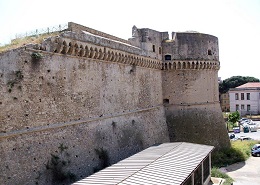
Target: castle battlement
[(143, 49), (86, 50), (190, 64)]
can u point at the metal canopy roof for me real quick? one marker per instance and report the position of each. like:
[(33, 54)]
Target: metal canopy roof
[(168, 163)]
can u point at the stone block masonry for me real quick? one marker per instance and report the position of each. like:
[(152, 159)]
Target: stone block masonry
[(84, 99)]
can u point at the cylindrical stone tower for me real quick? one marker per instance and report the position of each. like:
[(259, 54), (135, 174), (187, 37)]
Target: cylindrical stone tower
[(190, 89)]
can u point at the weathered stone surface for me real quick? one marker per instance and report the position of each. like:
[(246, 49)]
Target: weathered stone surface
[(84, 99)]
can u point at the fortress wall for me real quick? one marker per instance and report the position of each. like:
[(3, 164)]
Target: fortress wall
[(72, 88), (192, 46), (81, 103), (150, 41), (192, 107), (190, 86), (24, 157), (101, 41), (78, 28), (84, 94), (201, 124), (85, 46)]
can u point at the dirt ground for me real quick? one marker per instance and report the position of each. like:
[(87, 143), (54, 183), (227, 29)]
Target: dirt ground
[(245, 173)]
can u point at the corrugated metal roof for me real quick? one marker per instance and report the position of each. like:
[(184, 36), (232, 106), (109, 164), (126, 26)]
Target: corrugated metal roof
[(168, 163)]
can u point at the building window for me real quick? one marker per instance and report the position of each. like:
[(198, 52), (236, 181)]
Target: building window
[(153, 48), (168, 57), (248, 96), (242, 107), (188, 181), (242, 96), (209, 52), (206, 169), (236, 96), (160, 50), (237, 107), (248, 107), (198, 175)]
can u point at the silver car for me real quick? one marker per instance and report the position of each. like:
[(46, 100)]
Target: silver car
[(252, 126)]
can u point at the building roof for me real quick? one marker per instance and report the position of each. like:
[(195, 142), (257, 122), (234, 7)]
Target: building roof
[(168, 163), (250, 85)]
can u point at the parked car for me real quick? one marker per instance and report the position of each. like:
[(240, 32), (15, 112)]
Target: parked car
[(242, 138), (236, 130), (252, 126), (232, 136), (247, 121), (256, 152), (245, 129), (242, 119), (255, 147)]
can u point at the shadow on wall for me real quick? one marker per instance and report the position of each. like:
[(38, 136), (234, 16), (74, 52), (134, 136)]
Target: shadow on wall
[(197, 126)]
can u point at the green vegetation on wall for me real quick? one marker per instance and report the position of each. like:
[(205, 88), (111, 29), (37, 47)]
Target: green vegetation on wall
[(103, 159), (57, 166), (36, 56), (18, 76)]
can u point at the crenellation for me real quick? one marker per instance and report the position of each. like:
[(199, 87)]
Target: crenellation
[(67, 47), (102, 41), (188, 65)]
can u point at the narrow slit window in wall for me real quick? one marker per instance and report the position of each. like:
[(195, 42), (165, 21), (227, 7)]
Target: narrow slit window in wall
[(166, 101), (160, 50)]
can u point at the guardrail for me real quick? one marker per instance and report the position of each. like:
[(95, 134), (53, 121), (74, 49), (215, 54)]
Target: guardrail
[(41, 31)]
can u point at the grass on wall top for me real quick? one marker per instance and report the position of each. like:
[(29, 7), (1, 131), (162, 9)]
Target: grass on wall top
[(16, 43)]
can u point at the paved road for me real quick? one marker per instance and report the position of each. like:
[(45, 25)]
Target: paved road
[(248, 172), (253, 135), (245, 173)]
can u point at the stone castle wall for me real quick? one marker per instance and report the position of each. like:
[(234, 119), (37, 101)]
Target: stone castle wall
[(193, 46), (79, 28), (82, 103), (90, 94), (190, 89), (192, 107)]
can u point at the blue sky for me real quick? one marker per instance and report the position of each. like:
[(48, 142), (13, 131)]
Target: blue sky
[(235, 22)]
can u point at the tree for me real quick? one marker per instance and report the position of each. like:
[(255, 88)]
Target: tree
[(233, 117), (235, 81)]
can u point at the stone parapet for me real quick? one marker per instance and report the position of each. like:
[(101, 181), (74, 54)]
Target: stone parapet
[(81, 49), (77, 27), (190, 64)]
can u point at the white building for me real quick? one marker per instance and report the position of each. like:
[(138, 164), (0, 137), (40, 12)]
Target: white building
[(245, 98)]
